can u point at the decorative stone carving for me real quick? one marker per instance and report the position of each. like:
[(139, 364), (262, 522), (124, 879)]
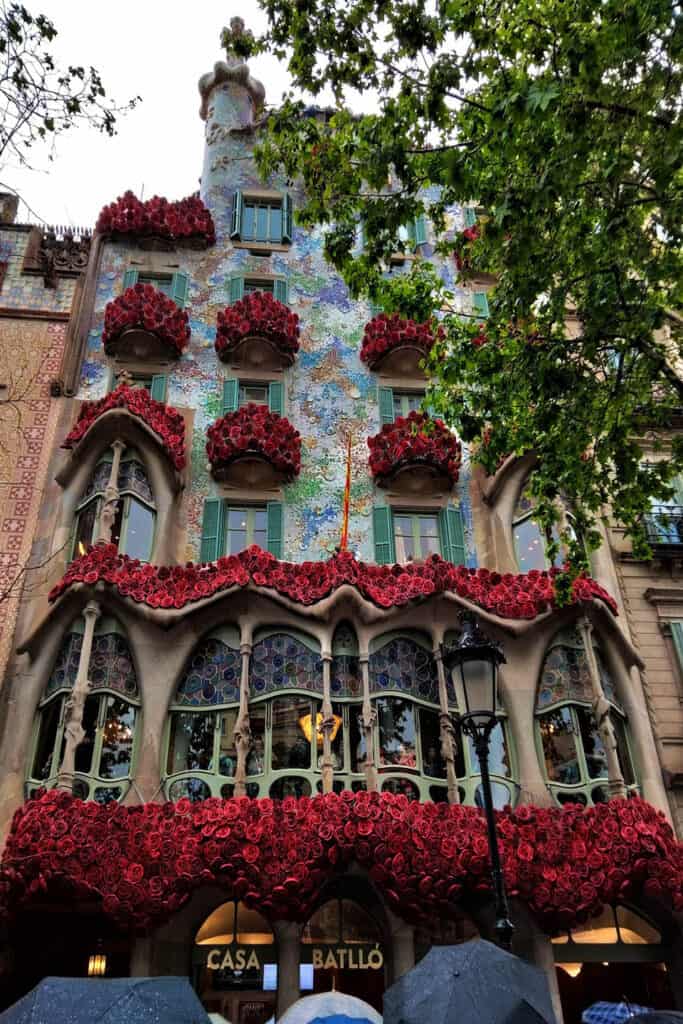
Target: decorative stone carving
[(57, 252), (233, 70)]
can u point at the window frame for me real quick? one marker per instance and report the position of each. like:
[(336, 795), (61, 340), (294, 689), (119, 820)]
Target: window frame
[(250, 511), (261, 200), (415, 516)]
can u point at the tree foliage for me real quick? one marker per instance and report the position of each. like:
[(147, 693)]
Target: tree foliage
[(40, 99), (562, 119)]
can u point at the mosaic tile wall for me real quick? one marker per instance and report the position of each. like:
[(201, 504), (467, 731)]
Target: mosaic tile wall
[(329, 392)]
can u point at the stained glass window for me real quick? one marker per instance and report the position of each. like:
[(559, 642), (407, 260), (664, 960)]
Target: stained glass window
[(211, 677), (282, 662), (406, 666)]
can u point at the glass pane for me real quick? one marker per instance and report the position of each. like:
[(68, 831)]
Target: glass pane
[(142, 382), (600, 929), (262, 223), (559, 746), (237, 531), (291, 785), (499, 792), (228, 791), (499, 762), (248, 220), (623, 754), (571, 798), (191, 744), (634, 930), (227, 752), (189, 789), (256, 758), (84, 750), (594, 751), (260, 536), (357, 739), (401, 787), (429, 536), (85, 527), (43, 767), (396, 732), (252, 927), (257, 393), (438, 794), (219, 927), (291, 749), (117, 524), (529, 545), (275, 224), (432, 762), (403, 537), (139, 531), (357, 925), (117, 739), (107, 794), (80, 789), (324, 925)]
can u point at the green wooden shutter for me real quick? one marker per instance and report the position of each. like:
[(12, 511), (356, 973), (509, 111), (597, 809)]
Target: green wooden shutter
[(275, 397), (383, 530), (180, 284), (130, 278), (420, 229), (287, 219), (158, 388), (280, 289), (480, 304), (212, 530), (470, 216), (375, 309), (677, 637), (274, 519), (452, 535), (385, 398), (231, 390), (236, 222), (236, 289)]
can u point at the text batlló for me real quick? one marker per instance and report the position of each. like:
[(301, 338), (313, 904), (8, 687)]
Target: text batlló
[(354, 959)]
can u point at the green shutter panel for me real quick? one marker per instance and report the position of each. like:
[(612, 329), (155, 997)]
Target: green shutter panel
[(231, 388), (677, 637), (480, 303), (678, 489), (452, 535), (385, 398), (420, 229), (470, 216), (375, 309), (287, 218), (180, 285), (361, 235), (236, 289), (212, 530), (276, 397), (158, 388), (130, 278), (383, 530), (280, 290), (236, 223), (274, 518)]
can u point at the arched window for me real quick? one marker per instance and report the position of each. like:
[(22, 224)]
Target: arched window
[(573, 753), (105, 758), (342, 946), (201, 757), (133, 527), (530, 542)]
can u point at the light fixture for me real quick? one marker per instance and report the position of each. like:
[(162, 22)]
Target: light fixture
[(573, 970), (97, 964), (306, 723), (81, 547)]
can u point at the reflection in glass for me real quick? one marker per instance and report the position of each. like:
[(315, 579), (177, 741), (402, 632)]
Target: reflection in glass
[(499, 793), (290, 785), (227, 752), (84, 751), (401, 787), (593, 747), (357, 738), (499, 762), (432, 762), (324, 925), (357, 924), (396, 732), (49, 721), (192, 789), (139, 533), (291, 749), (256, 758), (559, 746), (107, 794), (191, 744), (117, 739), (85, 527), (438, 794)]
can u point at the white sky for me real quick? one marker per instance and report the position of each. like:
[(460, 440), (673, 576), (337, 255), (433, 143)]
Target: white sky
[(153, 48)]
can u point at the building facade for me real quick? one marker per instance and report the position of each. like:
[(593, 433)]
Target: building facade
[(230, 746)]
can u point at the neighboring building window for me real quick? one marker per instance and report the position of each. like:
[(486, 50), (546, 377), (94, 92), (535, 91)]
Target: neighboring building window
[(176, 286), (228, 528), (104, 760), (404, 535), (134, 524), (237, 393), (530, 543), (664, 524), (263, 220), (573, 753)]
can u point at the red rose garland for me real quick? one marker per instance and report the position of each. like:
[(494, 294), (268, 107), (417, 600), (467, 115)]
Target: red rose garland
[(254, 428), (164, 420), (145, 307), (385, 333), (141, 863), (185, 218), (414, 438), (257, 315), (522, 596), (462, 243)]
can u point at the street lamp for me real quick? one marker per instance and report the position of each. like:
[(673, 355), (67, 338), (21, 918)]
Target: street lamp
[(478, 657)]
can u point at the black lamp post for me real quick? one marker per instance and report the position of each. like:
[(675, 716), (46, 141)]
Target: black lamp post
[(478, 657)]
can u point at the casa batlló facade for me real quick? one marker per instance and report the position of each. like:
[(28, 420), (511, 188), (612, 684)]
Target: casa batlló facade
[(230, 745)]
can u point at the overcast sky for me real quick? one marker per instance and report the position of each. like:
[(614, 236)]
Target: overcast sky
[(153, 48)]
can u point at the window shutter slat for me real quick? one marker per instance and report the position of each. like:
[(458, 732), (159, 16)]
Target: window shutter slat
[(275, 397), (236, 222), (383, 530), (452, 535), (420, 229), (158, 388), (130, 278), (281, 290), (212, 530), (287, 218), (274, 526), (236, 289), (480, 304), (231, 388), (385, 398), (180, 284)]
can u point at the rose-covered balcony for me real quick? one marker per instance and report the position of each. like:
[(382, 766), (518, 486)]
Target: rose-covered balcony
[(258, 331), (144, 323), (470, 256), (158, 223), (396, 345), (415, 455), (253, 447)]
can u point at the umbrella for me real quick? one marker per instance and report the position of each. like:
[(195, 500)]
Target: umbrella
[(108, 1001), (657, 1017), (474, 981), (611, 1013), (330, 1008)]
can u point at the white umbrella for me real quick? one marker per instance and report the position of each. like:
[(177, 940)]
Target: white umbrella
[(333, 1005)]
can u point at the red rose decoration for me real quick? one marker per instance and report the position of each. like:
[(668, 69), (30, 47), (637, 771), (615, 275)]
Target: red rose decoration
[(148, 309), (186, 219), (255, 429), (385, 334), (258, 315), (415, 438)]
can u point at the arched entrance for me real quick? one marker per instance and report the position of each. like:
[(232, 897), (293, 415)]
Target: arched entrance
[(342, 949), (234, 964)]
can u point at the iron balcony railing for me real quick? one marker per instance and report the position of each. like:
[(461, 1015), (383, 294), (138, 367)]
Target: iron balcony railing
[(664, 527)]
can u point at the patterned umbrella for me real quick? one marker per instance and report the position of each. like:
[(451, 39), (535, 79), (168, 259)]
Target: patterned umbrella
[(330, 1008), (611, 1013)]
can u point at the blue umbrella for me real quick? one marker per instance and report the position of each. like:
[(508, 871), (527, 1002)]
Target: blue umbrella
[(330, 1008), (611, 1013)]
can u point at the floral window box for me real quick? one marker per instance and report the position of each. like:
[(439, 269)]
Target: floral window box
[(396, 345), (145, 324), (254, 446), (258, 331), (158, 223), (415, 452)]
